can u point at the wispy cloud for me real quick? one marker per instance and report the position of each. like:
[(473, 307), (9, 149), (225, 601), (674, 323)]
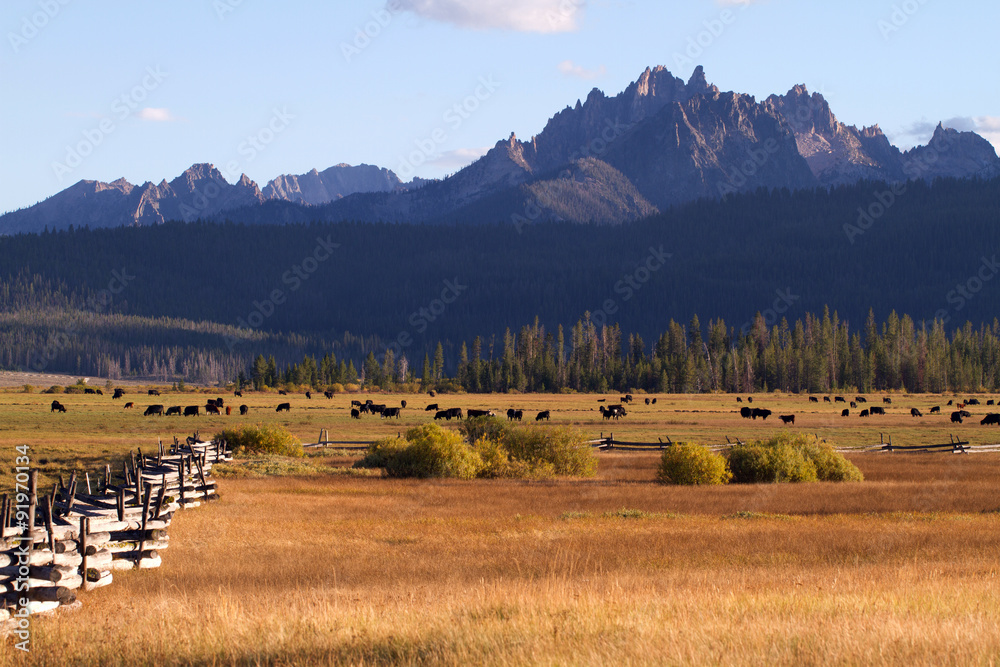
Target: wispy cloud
[(544, 16), (569, 68), (458, 158), (157, 115)]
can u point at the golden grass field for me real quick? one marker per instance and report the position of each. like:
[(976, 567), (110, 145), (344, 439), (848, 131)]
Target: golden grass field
[(346, 569)]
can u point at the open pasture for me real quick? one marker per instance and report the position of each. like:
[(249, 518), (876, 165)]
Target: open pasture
[(341, 569)]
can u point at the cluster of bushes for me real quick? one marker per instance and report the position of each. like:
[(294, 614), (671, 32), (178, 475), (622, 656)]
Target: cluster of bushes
[(247, 440), (483, 448), (784, 458)]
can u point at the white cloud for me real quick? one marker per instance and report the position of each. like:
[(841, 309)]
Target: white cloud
[(569, 68), (157, 115), (458, 158), (988, 127), (545, 16)]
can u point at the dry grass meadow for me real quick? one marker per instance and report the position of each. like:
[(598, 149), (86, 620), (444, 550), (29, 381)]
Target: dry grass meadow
[(334, 568)]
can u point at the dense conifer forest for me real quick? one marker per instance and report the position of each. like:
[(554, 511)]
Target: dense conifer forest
[(585, 307)]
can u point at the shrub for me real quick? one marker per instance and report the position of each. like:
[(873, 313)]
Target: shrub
[(380, 451), (433, 452), (494, 459), (785, 458), (686, 463), (54, 389), (772, 461), (28, 389), (260, 439), (831, 466), (562, 451), (484, 428)]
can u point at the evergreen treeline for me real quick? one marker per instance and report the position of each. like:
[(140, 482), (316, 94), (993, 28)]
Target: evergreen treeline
[(815, 354)]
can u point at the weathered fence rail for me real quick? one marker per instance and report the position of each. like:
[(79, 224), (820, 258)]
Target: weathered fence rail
[(610, 443), (73, 537)]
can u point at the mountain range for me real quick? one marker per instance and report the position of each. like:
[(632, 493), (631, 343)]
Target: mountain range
[(659, 143)]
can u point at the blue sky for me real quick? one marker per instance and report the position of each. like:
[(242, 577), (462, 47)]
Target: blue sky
[(142, 90)]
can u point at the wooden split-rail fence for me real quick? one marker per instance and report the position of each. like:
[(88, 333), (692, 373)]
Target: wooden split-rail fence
[(71, 538), (955, 446), (609, 443)]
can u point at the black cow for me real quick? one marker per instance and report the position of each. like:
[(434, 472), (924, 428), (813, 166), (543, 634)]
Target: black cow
[(510, 414), (956, 417), (972, 401), (283, 407), (431, 394), (853, 404), (211, 403), (153, 392), (991, 418), (813, 399), (442, 414), (614, 411), (57, 407), (949, 402), (936, 408), (887, 400), (647, 401), (309, 395), (826, 399), (965, 413), (244, 409), (749, 399), (402, 404), (654, 401), (455, 412), (739, 400), (355, 413), (100, 393), (192, 411), (432, 406), (544, 414), (472, 413), (372, 408), (845, 413), (860, 399), (746, 412), (760, 412), (153, 410), (282, 392), (173, 410), (915, 413), (328, 394), (357, 403), (863, 413), (238, 393), (991, 402), (787, 419), (390, 412), (219, 402), (518, 415), (119, 392), (877, 411), (88, 390), (839, 399)]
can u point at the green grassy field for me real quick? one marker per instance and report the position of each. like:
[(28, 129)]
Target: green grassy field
[(96, 428)]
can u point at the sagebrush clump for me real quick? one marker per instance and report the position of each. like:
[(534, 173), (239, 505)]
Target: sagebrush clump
[(691, 464), (786, 458), (251, 440)]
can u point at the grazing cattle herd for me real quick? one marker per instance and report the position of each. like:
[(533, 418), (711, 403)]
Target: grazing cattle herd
[(215, 406)]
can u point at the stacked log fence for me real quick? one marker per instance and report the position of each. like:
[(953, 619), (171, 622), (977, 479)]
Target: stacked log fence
[(72, 538)]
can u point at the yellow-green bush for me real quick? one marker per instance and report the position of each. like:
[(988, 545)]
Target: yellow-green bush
[(787, 458), (247, 440), (691, 464), (433, 452)]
